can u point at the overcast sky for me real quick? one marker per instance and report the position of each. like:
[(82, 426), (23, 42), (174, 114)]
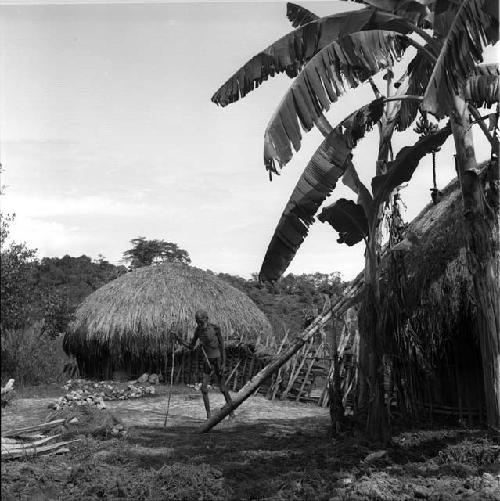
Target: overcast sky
[(108, 133)]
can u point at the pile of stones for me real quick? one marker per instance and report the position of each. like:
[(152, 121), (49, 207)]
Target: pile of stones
[(84, 392)]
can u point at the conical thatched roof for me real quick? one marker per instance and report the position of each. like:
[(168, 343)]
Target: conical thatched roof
[(136, 312)]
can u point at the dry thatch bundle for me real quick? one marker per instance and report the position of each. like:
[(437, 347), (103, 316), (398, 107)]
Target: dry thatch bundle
[(429, 287), (430, 315), (136, 313)]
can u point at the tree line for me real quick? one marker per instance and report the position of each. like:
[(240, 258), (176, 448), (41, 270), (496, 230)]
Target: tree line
[(51, 288)]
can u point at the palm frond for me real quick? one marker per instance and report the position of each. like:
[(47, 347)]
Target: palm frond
[(298, 15), (402, 168), (318, 180), (341, 64), (291, 52), (473, 25)]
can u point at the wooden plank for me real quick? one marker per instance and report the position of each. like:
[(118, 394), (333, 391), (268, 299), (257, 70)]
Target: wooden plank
[(26, 445), (37, 427), (35, 450)]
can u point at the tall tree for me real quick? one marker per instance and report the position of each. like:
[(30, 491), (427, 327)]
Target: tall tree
[(18, 281), (146, 252), (327, 55)]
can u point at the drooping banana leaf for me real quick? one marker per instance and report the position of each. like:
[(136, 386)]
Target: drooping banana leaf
[(419, 72), (298, 15), (416, 11), (365, 199), (473, 25), (318, 180), (348, 219), (401, 169), (291, 52), (343, 63)]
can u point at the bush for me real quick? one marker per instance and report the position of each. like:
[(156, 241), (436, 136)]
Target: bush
[(32, 358)]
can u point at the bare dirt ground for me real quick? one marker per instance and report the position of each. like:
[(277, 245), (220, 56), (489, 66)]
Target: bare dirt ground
[(270, 451)]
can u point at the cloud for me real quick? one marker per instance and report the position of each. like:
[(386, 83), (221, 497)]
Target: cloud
[(48, 237)]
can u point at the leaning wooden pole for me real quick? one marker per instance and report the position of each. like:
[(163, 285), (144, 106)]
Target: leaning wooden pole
[(259, 378), (351, 297)]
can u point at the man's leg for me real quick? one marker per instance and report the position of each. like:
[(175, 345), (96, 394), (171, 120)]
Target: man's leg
[(224, 390), (204, 393), (222, 385)]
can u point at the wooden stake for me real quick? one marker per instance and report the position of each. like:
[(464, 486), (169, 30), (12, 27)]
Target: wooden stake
[(171, 386), (232, 372)]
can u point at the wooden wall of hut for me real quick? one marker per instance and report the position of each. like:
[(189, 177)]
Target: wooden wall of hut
[(453, 389), (242, 363)]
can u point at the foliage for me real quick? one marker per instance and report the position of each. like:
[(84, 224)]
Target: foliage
[(17, 287), (348, 219), (5, 220), (290, 53), (340, 65), (401, 169), (30, 357), (330, 161), (465, 28), (63, 283), (146, 252), (291, 302)]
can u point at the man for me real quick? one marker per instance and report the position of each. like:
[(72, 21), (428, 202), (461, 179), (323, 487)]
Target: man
[(214, 356)]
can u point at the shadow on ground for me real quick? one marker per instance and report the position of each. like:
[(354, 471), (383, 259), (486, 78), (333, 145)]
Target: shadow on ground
[(271, 451)]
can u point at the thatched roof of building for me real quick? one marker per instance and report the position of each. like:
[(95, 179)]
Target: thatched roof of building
[(137, 312), (428, 288)]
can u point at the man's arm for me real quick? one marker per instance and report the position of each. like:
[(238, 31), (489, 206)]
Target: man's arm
[(193, 341), (221, 347)]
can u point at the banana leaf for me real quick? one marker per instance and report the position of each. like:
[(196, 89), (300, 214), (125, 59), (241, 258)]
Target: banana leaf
[(290, 53), (468, 27), (341, 64), (348, 219), (327, 165), (402, 168)]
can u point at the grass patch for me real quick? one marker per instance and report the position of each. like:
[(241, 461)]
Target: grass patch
[(31, 357)]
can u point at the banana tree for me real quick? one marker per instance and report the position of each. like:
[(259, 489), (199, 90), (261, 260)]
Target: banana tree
[(465, 27), (332, 54), (327, 55)]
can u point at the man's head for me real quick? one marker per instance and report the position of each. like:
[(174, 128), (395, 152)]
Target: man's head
[(201, 317)]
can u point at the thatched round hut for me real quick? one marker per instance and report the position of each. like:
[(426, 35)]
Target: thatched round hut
[(127, 324)]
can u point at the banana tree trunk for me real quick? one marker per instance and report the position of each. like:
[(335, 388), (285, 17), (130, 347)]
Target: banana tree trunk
[(481, 223), (335, 404), (372, 328), (371, 324)]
